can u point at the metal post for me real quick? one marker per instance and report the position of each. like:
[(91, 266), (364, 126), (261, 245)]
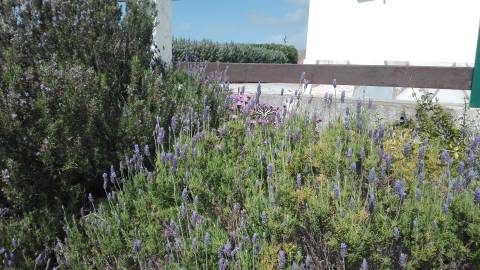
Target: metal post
[(475, 94)]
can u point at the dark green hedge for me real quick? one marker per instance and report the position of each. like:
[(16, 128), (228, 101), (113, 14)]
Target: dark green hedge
[(206, 50), (289, 50)]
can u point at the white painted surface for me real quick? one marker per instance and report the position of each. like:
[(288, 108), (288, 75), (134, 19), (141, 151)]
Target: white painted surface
[(422, 32), (162, 34)]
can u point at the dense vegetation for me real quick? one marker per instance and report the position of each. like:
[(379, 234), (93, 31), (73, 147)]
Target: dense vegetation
[(278, 188), (110, 161), (78, 89), (205, 50)]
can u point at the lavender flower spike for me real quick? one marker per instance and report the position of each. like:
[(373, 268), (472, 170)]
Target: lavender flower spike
[(137, 245), (281, 259), (343, 250), (476, 196), (336, 191), (299, 179), (396, 233), (364, 265), (403, 260)]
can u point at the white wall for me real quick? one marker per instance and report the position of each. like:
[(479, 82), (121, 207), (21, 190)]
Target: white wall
[(423, 32), (162, 34)]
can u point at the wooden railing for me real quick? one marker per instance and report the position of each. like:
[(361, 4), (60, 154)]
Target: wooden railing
[(396, 76)]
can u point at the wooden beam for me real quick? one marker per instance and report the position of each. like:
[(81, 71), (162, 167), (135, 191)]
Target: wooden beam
[(396, 76)]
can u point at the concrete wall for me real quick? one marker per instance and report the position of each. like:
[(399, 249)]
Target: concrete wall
[(162, 35), (421, 32)]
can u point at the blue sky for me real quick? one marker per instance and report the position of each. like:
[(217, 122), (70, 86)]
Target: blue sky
[(250, 21)]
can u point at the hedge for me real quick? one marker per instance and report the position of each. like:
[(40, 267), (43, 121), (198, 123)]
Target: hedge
[(210, 51)]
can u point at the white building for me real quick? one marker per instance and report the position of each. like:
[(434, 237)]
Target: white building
[(413, 32)]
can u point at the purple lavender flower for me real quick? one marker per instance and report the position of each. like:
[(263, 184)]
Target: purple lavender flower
[(105, 181), (299, 179), (469, 177), (380, 153), (289, 158), (421, 152), (396, 233), (343, 250), (177, 149), (476, 196), (461, 168), (222, 264), (207, 240), (136, 150), (196, 218), (353, 167), (185, 193), (263, 217), (227, 249), (445, 157), (269, 170), (173, 123), (308, 261), (336, 191), (371, 176), (256, 245), (388, 161), (281, 259), (183, 211), (349, 153), (407, 149), (160, 136), (113, 175), (399, 188), (342, 96), (403, 260), (137, 245), (445, 207), (381, 131), (364, 265)]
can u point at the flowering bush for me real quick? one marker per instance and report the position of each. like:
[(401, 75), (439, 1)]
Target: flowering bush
[(352, 194), (78, 88)]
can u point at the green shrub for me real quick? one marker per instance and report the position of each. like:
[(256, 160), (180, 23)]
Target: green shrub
[(205, 50), (241, 181), (78, 89), (290, 51)]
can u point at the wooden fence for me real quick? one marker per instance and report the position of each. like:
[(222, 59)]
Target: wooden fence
[(396, 76)]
